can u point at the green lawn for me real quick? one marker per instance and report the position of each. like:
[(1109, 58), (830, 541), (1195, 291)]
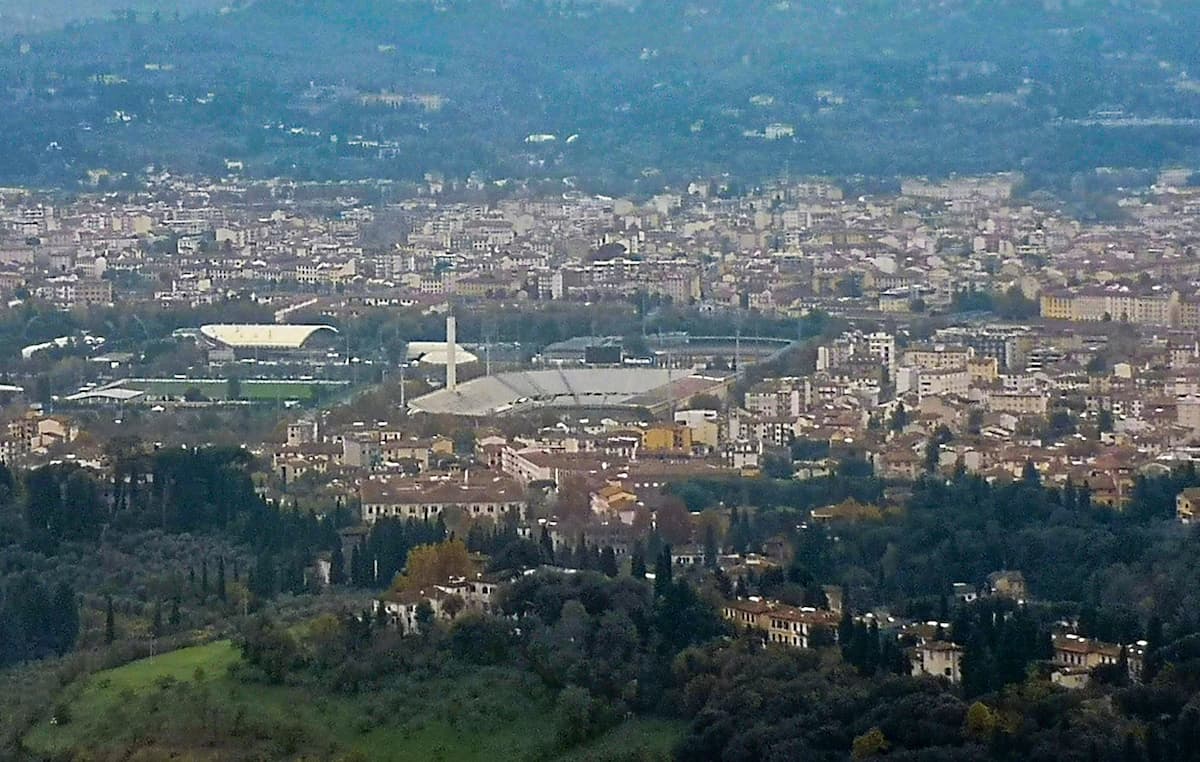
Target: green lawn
[(186, 704)]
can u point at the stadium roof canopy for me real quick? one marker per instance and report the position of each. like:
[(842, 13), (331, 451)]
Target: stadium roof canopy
[(562, 387), (263, 335), (108, 394), (434, 353)]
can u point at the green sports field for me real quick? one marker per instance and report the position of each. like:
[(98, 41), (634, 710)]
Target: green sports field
[(254, 390)]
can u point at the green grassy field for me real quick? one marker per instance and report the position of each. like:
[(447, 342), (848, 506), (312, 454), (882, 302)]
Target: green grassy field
[(187, 704)]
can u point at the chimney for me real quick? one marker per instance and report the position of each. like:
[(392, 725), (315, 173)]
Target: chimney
[(451, 350)]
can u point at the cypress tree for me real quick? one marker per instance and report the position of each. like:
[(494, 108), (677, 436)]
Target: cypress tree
[(65, 618), (174, 618), (110, 622), (156, 623), (724, 586), (1069, 496), (546, 543), (204, 577), (221, 591), (608, 561), (663, 572), (749, 536), (871, 651), (337, 565), (263, 582), (734, 538), (845, 631), (637, 562)]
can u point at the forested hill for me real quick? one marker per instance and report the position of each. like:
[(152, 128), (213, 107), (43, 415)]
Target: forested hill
[(615, 94), (25, 16)]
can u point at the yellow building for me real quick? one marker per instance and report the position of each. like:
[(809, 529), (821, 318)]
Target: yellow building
[(1056, 305), (667, 438), (983, 369), (1119, 306)]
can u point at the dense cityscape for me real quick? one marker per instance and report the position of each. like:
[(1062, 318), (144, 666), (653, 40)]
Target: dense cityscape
[(370, 393)]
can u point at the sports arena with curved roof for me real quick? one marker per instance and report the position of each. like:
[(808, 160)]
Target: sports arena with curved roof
[(262, 335), (437, 353), (592, 388)]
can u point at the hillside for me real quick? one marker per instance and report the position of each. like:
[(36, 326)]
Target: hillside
[(620, 98), (186, 703), (25, 16)]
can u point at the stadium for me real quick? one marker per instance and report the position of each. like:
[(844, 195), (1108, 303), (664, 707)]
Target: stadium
[(640, 389), (227, 342)]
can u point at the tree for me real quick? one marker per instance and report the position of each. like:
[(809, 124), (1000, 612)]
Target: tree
[(663, 571), (483, 640), (240, 595), (65, 619), (933, 454), (869, 744), (452, 606), (974, 421), (221, 591), (980, 673), (1084, 499), (430, 565), (464, 441), (337, 565), (269, 647), (424, 616), (575, 716), (193, 394), (711, 550), (174, 618), (635, 345), (573, 502), (358, 574), (608, 561), (980, 724), (777, 466), (673, 521), (899, 418), (262, 582), (546, 545), (517, 554), (233, 387), (637, 562), (110, 621), (156, 621), (1030, 475)]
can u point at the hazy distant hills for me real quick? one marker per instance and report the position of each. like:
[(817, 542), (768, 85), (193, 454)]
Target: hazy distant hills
[(23, 16), (616, 94)]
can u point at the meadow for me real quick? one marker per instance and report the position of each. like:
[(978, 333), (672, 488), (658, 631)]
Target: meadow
[(189, 704)]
